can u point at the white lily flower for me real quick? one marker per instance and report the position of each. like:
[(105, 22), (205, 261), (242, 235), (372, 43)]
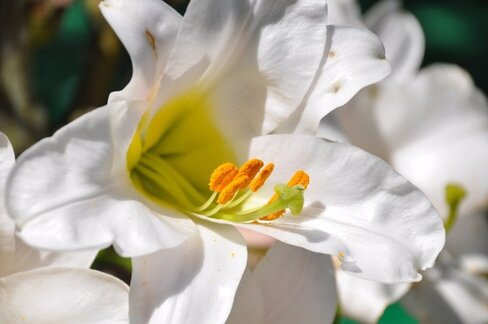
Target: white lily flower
[(135, 173), (54, 294), (431, 126)]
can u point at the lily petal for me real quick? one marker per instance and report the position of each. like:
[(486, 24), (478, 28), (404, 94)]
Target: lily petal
[(448, 295), (365, 300), (249, 305), (331, 129), (63, 295), (296, 285), (205, 272), (250, 54), (71, 192), (7, 158), (354, 58), (28, 258), (401, 34), (7, 228), (344, 12), (356, 207), (147, 29)]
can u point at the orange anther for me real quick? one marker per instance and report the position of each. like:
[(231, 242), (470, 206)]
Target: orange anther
[(250, 169), (232, 188), (273, 216), (261, 178), (299, 178), (222, 176)]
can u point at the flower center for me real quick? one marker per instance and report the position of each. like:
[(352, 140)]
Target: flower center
[(174, 152), (232, 188)]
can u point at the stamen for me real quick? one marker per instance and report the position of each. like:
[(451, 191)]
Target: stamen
[(227, 180), (232, 188), (249, 170), (261, 178), (299, 178), (273, 216), (222, 176)]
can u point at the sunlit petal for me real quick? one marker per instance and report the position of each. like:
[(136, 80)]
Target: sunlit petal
[(192, 283), (63, 295)]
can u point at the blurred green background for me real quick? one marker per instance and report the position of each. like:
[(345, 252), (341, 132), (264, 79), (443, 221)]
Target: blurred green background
[(59, 59)]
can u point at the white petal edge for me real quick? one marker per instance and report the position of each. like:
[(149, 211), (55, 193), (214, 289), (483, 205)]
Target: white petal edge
[(7, 227), (63, 295), (7, 158), (401, 35), (192, 283), (296, 286), (147, 29), (344, 12), (28, 258), (354, 58)]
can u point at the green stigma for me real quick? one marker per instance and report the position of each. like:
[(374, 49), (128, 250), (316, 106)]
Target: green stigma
[(454, 194)]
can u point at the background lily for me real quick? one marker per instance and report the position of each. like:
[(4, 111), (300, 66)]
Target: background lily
[(431, 126), (135, 173), (456, 289), (32, 293), (289, 285)]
